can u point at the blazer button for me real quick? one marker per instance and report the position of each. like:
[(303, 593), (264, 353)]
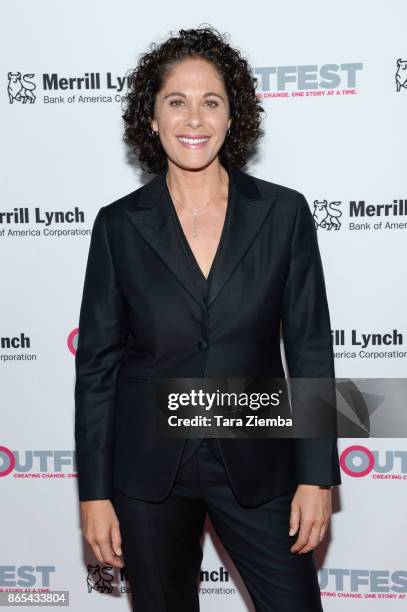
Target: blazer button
[(202, 344)]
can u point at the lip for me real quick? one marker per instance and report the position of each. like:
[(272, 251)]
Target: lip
[(188, 145), (193, 136)]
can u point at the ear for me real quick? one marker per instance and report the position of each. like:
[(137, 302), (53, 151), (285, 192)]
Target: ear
[(154, 125), (229, 123)]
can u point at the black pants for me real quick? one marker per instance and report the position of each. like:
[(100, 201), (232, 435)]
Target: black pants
[(162, 552)]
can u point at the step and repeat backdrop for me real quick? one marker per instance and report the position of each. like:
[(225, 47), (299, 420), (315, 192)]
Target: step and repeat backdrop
[(333, 82)]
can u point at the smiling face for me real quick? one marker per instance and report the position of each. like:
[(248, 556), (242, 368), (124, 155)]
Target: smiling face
[(192, 113)]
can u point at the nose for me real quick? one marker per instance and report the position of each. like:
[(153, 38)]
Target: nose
[(193, 117)]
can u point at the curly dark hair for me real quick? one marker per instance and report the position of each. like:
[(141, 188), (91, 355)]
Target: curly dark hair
[(148, 77)]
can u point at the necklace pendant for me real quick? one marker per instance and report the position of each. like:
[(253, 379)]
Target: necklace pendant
[(195, 234)]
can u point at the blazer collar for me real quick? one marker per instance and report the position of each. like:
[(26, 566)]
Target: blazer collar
[(151, 214)]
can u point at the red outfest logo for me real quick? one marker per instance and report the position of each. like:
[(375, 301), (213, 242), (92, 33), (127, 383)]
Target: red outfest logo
[(7, 461), (358, 461), (72, 340), (47, 464)]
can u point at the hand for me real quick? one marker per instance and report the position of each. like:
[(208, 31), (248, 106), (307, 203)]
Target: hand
[(311, 509), (100, 528)]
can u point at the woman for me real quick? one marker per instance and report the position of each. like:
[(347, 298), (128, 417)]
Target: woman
[(189, 276)]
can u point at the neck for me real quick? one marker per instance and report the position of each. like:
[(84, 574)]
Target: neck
[(196, 186)]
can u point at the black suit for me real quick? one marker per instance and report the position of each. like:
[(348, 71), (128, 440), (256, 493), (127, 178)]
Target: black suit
[(144, 315)]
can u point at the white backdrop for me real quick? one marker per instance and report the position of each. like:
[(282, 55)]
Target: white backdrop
[(335, 130)]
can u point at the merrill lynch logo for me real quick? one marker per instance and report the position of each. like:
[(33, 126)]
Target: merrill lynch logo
[(326, 216), (401, 74), (20, 88)]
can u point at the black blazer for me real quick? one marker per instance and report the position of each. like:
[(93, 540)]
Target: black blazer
[(142, 316)]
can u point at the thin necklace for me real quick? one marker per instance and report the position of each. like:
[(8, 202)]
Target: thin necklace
[(196, 211)]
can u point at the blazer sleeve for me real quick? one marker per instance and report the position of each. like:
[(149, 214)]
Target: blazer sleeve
[(102, 339), (307, 340)]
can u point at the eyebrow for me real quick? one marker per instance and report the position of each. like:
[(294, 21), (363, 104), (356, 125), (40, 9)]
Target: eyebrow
[(179, 93)]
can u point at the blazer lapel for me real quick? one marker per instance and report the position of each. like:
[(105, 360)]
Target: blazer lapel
[(249, 210), (151, 214)]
